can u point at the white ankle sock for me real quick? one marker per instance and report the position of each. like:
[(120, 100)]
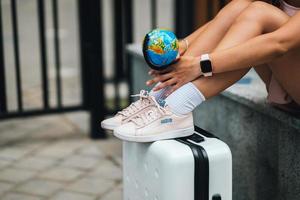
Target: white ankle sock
[(185, 99)]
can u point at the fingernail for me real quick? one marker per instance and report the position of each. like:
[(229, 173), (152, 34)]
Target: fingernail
[(148, 82)]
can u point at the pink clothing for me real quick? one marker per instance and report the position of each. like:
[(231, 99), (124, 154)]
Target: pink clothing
[(288, 9), (276, 93)]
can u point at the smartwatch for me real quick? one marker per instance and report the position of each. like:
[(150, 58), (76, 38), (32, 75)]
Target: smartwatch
[(205, 65)]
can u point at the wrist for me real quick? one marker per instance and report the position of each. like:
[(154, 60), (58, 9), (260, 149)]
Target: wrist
[(196, 65)]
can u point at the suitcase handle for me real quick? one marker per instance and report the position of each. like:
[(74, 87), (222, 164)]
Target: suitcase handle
[(204, 132)]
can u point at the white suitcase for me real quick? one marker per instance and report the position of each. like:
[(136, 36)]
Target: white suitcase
[(198, 167)]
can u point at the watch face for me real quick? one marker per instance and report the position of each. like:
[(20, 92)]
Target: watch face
[(206, 66)]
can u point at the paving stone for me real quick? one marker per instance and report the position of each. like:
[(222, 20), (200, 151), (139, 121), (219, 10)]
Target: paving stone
[(92, 186), (15, 175), (52, 135), (55, 130), (81, 162), (12, 153), (29, 146), (19, 133), (63, 147), (15, 129), (40, 187), (119, 160), (67, 195), (53, 151), (73, 144), (47, 119), (115, 194), (34, 163), (120, 186), (18, 196), (27, 124), (111, 147), (4, 163), (80, 120), (4, 187), (107, 170), (91, 150), (70, 155), (10, 136), (61, 174), (8, 125)]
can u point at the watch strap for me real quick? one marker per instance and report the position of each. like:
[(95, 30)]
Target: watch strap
[(205, 57)]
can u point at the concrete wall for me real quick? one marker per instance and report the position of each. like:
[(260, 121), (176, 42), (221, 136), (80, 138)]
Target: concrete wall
[(266, 159)]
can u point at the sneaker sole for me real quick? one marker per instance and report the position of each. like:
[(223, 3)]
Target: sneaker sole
[(162, 136), (108, 127)]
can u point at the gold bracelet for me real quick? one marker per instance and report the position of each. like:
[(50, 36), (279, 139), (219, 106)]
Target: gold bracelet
[(186, 42)]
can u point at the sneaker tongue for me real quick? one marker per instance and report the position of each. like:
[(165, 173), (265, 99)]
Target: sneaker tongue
[(162, 102), (153, 100)]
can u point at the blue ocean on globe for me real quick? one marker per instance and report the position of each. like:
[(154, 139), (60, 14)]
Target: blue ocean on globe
[(162, 47), (162, 59)]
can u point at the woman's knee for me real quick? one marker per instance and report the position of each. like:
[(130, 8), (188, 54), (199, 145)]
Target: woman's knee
[(233, 9), (266, 16)]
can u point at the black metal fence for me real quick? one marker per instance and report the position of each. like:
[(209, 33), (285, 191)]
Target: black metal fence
[(91, 54), (4, 113), (91, 64)]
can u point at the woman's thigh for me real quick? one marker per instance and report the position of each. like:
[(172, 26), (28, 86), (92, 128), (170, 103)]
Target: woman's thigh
[(286, 71)]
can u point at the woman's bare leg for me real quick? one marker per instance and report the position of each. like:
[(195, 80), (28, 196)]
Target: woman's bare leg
[(206, 39), (256, 19)]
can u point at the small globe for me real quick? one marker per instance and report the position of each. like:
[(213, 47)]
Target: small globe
[(160, 48)]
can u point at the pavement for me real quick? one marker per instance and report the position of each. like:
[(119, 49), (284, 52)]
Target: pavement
[(53, 158)]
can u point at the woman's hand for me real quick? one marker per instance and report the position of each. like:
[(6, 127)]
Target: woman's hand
[(186, 69)]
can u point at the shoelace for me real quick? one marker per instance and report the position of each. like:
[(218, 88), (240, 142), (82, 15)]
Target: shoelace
[(147, 117), (135, 106)]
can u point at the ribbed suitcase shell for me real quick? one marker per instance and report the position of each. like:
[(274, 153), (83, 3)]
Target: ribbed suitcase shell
[(198, 167)]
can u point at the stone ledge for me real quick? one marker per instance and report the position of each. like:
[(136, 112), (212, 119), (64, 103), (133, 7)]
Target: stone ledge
[(249, 91)]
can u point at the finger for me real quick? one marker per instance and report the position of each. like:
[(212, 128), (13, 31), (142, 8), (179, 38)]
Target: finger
[(175, 65), (152, 72), (175, 87), (167, 83), (150, 82), (156, 79), (164, 77), (159, 78), (164, 71), (160, 74)]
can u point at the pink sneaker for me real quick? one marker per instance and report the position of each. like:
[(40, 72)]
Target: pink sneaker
[(126, 114), (155, 123)]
